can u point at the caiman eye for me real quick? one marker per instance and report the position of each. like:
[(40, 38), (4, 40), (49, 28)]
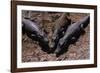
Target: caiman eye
[(61, 42), (73, 38), (81, 25)]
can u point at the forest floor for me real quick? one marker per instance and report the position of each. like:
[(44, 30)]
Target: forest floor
[(31, 51)]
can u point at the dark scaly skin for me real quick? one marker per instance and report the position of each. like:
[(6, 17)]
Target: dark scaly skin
[(59, 30), (73, 32), (33, 32)]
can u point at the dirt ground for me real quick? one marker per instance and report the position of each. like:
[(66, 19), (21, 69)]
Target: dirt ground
[(31, 51)]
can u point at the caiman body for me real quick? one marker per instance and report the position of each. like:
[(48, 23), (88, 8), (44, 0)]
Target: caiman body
[(33, 31), (60, 28), (72, 33)]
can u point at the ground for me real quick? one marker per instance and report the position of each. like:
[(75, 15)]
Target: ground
[(31, 51)]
